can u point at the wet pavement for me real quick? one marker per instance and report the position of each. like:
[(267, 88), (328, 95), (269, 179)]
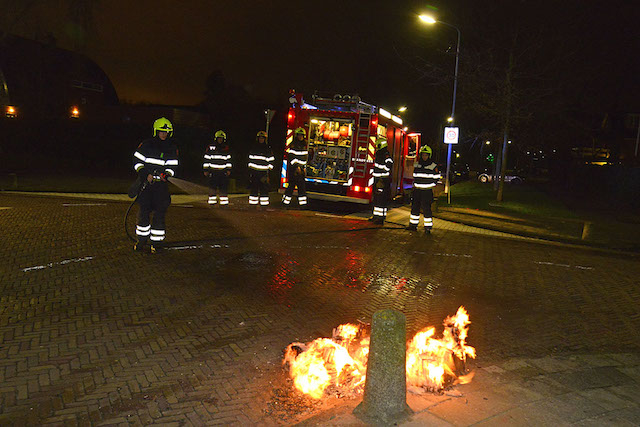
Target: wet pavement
[(91, 332)]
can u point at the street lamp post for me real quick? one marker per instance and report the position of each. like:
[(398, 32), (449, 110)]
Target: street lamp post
[(430, 20)]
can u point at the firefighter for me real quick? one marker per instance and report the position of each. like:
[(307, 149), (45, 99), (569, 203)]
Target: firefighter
[(383, 165), (156, 159), (260, 163), (425, 177), (217, 167), (296, 171)]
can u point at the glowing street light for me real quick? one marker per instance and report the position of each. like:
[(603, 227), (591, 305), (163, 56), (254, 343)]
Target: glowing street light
[(402, 109), (431, 20), (488, 142), (427, 19), (450, 119)]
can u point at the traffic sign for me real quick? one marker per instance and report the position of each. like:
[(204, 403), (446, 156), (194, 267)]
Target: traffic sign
[(451, 135)]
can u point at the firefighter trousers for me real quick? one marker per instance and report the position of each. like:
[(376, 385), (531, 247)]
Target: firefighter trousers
[(381, 192), (422, 200), (296, 180), (259, 189), (155, 199), (219, 184)]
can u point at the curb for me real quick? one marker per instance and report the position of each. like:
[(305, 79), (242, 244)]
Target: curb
[(573, 242)]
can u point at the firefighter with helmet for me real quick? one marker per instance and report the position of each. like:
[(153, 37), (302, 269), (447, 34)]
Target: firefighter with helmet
[(260, 163), (217, 167), (296, 174), (383, 165), (155, 160), (425, 177)]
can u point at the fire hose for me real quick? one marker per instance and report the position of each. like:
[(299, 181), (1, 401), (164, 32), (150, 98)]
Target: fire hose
[(134, 195)]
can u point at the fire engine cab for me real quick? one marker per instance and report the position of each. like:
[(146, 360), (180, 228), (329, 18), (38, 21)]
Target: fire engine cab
[(341, 134)]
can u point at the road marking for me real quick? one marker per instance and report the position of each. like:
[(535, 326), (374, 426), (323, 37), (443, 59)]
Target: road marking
[(181, 248), (579, 267), (328, 215), (83, 204), (187, 247), (63, 262), (441, 254), (5, 207), (183, 206), (319, 247)]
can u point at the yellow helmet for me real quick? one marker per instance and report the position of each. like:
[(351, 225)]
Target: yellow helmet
[(426, 149), (221, 134), (381, 142), (300, 131), (162, 125)]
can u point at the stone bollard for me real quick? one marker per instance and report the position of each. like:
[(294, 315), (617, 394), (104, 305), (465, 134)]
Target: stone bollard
[(586, 230), (385, 389)]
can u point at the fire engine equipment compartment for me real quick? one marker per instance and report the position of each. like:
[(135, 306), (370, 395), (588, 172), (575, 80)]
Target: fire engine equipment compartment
[(330, 148)]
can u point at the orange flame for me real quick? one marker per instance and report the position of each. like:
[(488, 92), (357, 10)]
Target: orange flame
[(328, 362), (431, 363), (341, 362)]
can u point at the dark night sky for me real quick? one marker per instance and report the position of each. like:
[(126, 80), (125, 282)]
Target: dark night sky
[(161, 51)]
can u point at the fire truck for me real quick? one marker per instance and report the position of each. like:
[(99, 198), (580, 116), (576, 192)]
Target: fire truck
[(341, 134)]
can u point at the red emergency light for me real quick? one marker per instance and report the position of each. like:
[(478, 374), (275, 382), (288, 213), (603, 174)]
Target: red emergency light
[(367, 189)]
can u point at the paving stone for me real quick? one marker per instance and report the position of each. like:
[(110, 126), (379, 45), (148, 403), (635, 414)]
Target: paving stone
[(605, 398), (472, 408), (592, 378), (87, 324)]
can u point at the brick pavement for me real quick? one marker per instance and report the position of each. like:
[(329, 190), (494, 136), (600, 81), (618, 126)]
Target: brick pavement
[(92, 333)]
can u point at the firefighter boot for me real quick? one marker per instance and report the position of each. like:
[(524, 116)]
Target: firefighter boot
[(157, 248), (427, 230), (411, 227), (139, 245)]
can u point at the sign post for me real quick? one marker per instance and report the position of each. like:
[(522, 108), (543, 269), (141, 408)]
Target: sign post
[(451, 135), (268, 114)]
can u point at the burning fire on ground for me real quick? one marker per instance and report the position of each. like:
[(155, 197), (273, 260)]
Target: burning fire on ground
[(339, 364)]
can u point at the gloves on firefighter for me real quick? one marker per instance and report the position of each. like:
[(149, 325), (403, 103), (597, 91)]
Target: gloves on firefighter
[(164, 176), (206, 173)]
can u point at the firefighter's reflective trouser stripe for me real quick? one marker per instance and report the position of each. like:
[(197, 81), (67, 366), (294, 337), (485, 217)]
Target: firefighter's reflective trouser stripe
[(377, 211), (157, 235), (218, 183), (422, 200), (259, 189), (296, 180), (143, 231), (155, 199), (380, 197), (224, 200)]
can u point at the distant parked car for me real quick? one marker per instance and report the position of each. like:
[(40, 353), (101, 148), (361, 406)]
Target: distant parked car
[(510, 176), (458, 172)]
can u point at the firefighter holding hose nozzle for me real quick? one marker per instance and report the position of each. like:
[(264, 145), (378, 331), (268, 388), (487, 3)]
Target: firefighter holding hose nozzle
[(156, 159)]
